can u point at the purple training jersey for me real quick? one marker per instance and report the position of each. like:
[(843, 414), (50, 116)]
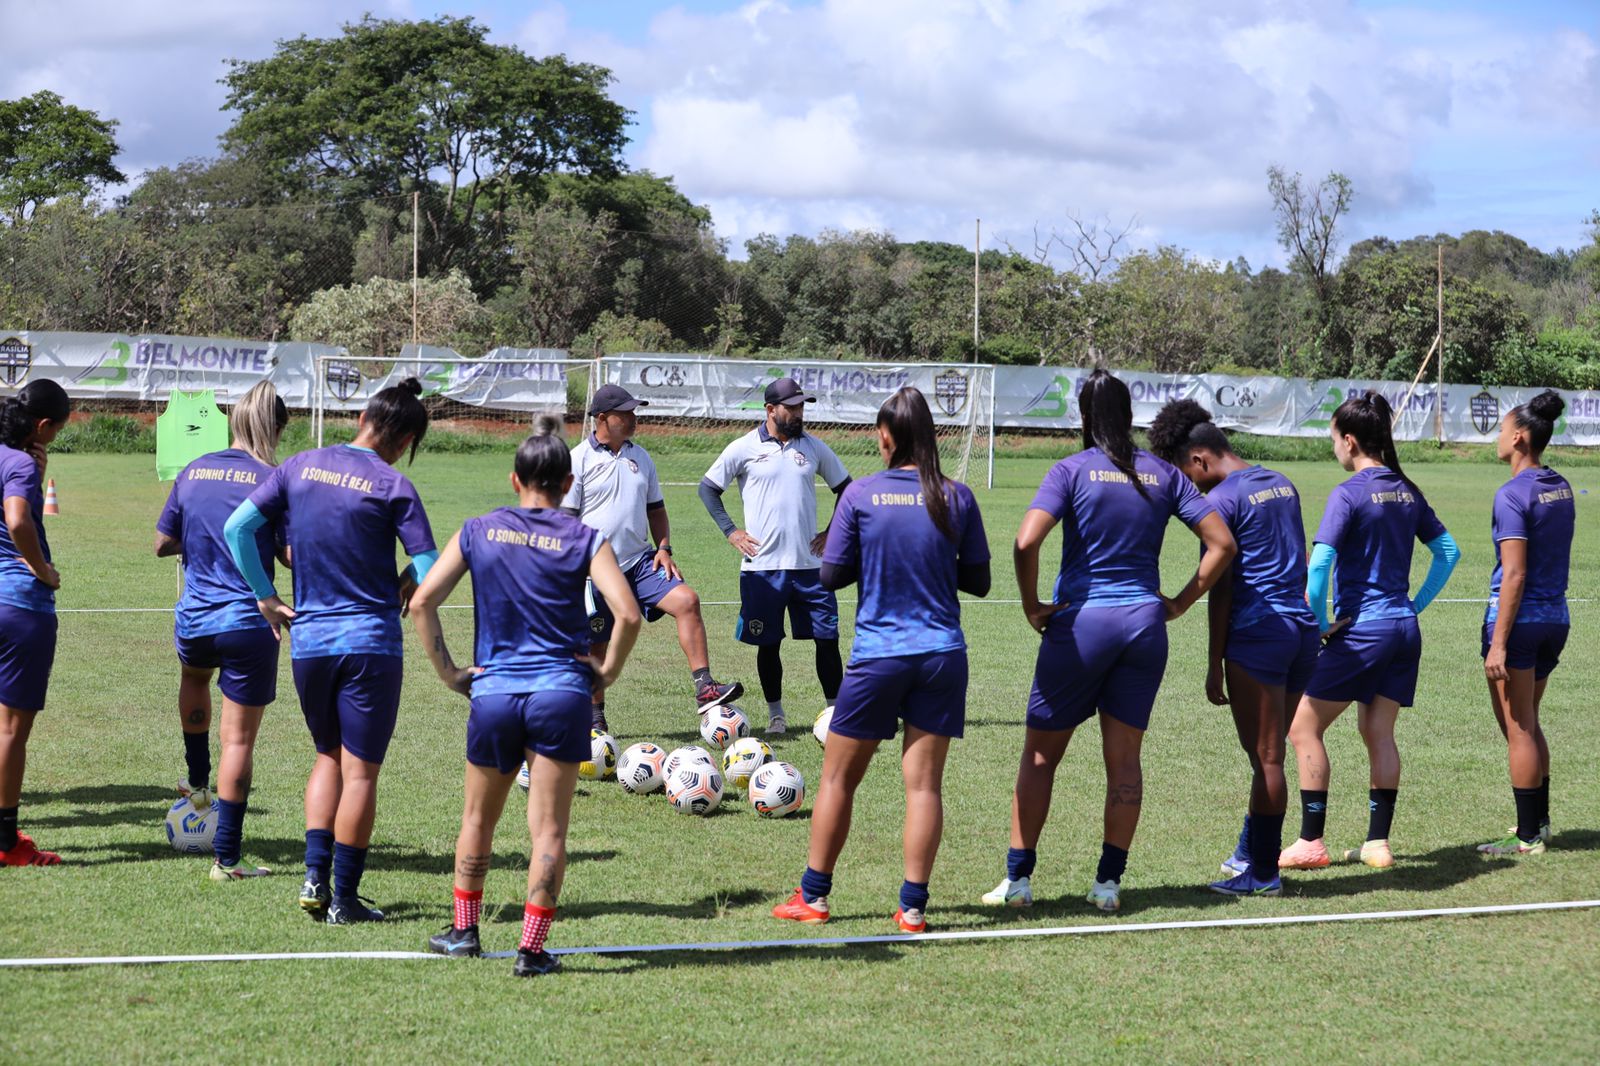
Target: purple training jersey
[(1535, 506), (528, 570), (216, 598), (1370, 523), (1111, 533), (908, 602), (346, 508), (19, 477), (1262, 510)]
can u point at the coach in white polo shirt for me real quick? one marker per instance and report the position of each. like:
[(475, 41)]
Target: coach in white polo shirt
[(615, 490), (776, 465)]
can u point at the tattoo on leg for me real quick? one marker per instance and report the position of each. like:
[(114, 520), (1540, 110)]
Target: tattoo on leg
[(472, 866), (1125, 795), (196, 716), (547, 877)]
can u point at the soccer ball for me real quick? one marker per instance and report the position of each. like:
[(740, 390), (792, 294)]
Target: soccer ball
[(681, 756), (777, 789), (819, 728), (694, 788), (743, 757), (192, 823), (522, 777), (724, 725), (602, 761), (641, 769)]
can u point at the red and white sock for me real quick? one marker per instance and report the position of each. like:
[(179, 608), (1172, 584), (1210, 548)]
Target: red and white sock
[(468, 904), (535, 926)]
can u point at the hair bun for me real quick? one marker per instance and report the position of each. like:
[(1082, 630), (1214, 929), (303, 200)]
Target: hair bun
[(547, 424), (412, 385), (1548, 405)]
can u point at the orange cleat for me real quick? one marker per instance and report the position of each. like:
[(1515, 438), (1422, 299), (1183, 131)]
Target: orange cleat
[(796, 909), (1305, 855), (911, 921), (25, 853)]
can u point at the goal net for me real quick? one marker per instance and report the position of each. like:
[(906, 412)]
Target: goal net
[(698, 405)]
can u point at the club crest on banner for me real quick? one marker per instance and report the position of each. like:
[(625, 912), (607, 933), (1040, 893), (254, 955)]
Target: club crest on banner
[(16, 357), (343, 380), (1485, 411), (950, 392)]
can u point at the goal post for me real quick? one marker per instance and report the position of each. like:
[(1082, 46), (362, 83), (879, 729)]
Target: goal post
[(699, 404)]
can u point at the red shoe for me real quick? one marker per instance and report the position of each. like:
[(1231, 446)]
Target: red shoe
[(912, 921), (798, 910), (24, 853)]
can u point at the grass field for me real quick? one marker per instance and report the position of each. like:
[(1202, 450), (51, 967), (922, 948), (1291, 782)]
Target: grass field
[(106, 752)]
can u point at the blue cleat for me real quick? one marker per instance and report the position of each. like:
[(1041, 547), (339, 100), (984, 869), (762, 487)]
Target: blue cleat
[(1234, 865), (1245, 884)]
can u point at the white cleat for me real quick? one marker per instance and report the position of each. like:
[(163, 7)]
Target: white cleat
[(1009, 893), (777, 725), (1106, 896)]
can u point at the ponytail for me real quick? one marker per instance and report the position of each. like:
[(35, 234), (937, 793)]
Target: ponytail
[(20, 415), (258, 420), (543, 460), (1107, 411), (396, 413), (910, 424), (1368, 418), (1538, 416)]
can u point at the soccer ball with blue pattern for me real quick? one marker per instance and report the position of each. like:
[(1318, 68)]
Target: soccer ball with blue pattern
[(776, 790), (723, 725), (522, 777), (695, 788), (602, 760), (192, 823)]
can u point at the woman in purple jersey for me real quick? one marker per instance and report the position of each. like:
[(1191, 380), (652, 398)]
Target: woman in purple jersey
[(29, 421), (216, 624), (1525, 624), (1373, 642), (531, 681), (1263, 636), (912, 538), (1105, 639)]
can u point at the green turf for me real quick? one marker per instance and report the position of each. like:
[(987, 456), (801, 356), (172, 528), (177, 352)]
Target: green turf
[(107, 750)]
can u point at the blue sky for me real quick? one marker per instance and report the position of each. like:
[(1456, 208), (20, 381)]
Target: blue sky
[(918, 115)]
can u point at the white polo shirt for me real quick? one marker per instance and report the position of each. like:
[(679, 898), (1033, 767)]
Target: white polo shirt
[(777, 482), (612, 491)]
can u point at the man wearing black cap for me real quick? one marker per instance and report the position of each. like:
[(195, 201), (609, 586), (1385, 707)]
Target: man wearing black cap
[(776, 465), (615, 490)]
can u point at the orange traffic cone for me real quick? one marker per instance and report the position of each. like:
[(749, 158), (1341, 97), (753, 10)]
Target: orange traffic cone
[(50, 504)]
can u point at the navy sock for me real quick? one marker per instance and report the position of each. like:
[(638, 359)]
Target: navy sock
[(913, 895), (1241, 850), (348, 864), (1544, 801), (1266, 841), (813, 886), (1113, 861), (319, 854), (1527, 814), (1313, 813), (1019, 863), (8, 828), (197, 753), (1380, 812), (230, 822)]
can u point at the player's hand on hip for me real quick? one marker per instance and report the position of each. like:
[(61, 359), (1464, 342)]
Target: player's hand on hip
[(819, 542), (664, 562), (1333, 630), (1039, 614), (277, 613), (603, 678), (461, 680), (748, 546), (49, 577), (408, 588)]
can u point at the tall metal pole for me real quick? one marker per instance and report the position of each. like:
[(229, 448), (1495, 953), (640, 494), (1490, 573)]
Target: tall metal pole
[(1438, 405), (415, 215), (977, 248)]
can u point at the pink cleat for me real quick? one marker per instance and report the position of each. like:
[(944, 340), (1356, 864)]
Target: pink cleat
[(1304, 855)]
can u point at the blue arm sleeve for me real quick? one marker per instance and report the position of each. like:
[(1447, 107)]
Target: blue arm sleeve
[(421, 563), (240, 534), (1317, 575), (1445, 557)]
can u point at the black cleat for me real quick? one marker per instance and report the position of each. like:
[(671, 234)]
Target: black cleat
[(534, 963), (710, 694), (457, 943), (349, 910), (314, 897)]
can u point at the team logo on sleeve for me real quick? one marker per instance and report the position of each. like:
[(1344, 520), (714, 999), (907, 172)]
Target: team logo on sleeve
[(16, 358), (343, 380), (950, 392), (1485, 410)]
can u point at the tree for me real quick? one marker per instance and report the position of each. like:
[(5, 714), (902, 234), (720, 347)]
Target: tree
[(565, 264), (374, 318), (1173, 314), (1308, 223), (50, 150)]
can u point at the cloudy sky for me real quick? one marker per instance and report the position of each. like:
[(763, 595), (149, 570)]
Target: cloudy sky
[(917, 116)]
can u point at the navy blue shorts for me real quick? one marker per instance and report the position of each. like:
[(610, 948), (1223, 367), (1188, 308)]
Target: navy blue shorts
[(1276, 651), (650, 587), (504, 726), (1367, 660), (27, 651), (1532, 646), (764, 597), (1108, 659), (350, 701), (926, 691), (248, 659)]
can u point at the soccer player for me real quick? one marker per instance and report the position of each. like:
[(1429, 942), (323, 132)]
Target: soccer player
[(912, 538), (531, 682), (1105, 635), (1263, 636), (615, 490), (29, 421), (1371, 651), (345, 506), (216, 624), (1525, 625), (776, 465)]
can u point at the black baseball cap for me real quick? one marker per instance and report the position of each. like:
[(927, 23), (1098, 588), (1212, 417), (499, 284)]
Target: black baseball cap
[(614, 398), (788, 392)]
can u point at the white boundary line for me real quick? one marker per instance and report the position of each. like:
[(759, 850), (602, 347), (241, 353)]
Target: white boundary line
[(808, 942)]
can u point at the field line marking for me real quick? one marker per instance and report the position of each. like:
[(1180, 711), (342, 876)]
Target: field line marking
[(805, 942)]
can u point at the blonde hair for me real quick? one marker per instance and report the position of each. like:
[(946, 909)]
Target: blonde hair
[(257, 421)]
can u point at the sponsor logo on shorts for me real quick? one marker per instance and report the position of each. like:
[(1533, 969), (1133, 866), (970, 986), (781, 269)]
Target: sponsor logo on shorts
[(16, 358), (597, 624), (756, 627)]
